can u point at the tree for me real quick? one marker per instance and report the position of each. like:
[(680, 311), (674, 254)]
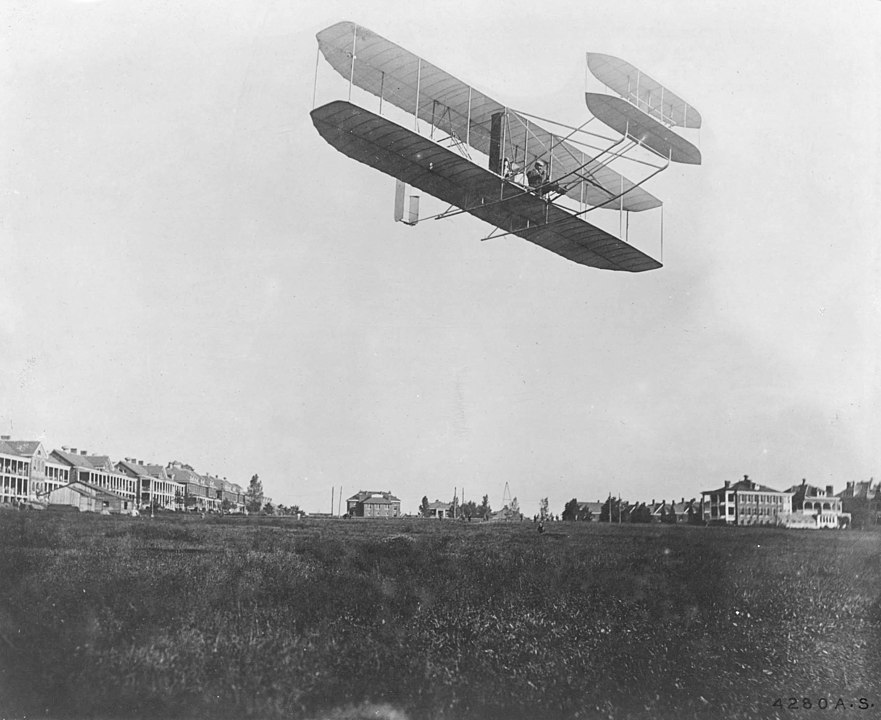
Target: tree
[(226, 505), (570, 511), (484, 508), (543, 511), (423, 508), (515, 506), (268, 509), (254, 496), (641, 514), (611, 510), (468, 509)]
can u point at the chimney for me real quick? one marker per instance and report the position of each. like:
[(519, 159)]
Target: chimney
[(849, 484), (803, 481), (830, 490), (83, 452), (5, 437), (727, 483)]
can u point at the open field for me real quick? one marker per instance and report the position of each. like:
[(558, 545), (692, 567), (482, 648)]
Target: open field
[(179, 617)]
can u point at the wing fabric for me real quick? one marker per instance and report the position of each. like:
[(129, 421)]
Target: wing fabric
[(432, 95), (629, 120), (643, 91), (417, 161)]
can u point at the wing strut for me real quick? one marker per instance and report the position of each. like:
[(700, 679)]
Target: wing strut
[(449, 212), (578, 214)]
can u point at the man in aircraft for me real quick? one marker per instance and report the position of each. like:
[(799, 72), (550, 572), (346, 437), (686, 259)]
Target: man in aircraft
[(539, 180), (537, 174)]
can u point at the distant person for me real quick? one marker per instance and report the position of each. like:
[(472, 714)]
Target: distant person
[(541, 527)]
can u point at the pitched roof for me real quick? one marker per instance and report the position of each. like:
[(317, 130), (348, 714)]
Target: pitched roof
[(803, 490), (25, 448), (656, 507), (183, 475), (213, 482), (861, 489), (594, 507), (87, 490), (133, 467), (101, 462), (74, 459)]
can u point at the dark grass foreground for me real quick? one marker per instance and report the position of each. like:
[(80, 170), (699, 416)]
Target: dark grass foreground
[(178, 617)]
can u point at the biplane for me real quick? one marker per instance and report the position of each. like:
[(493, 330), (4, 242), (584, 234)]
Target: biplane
[(498, 164)]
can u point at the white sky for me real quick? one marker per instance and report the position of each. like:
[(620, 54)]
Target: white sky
[(190, 272)]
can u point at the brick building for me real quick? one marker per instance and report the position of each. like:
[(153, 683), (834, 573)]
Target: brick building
[(373, 504), (745, 502)]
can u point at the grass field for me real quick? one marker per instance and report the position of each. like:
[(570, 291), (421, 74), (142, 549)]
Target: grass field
[(179, 617)]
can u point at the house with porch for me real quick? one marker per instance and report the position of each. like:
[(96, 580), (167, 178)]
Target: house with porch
[(815, 508), (440, 510), (22, 469), (155, 487)]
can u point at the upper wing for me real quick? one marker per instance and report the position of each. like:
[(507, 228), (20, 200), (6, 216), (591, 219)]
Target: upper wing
[(417, 161), (643, 91), (434, 96)]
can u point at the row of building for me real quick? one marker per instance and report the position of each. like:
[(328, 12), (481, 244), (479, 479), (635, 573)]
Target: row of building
[(747, 502), (69, 476), (29, 473)]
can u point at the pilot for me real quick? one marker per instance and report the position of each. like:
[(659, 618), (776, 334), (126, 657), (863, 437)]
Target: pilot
[(537, 174)]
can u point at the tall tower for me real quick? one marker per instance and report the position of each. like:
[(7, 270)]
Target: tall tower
[(506, 496)]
